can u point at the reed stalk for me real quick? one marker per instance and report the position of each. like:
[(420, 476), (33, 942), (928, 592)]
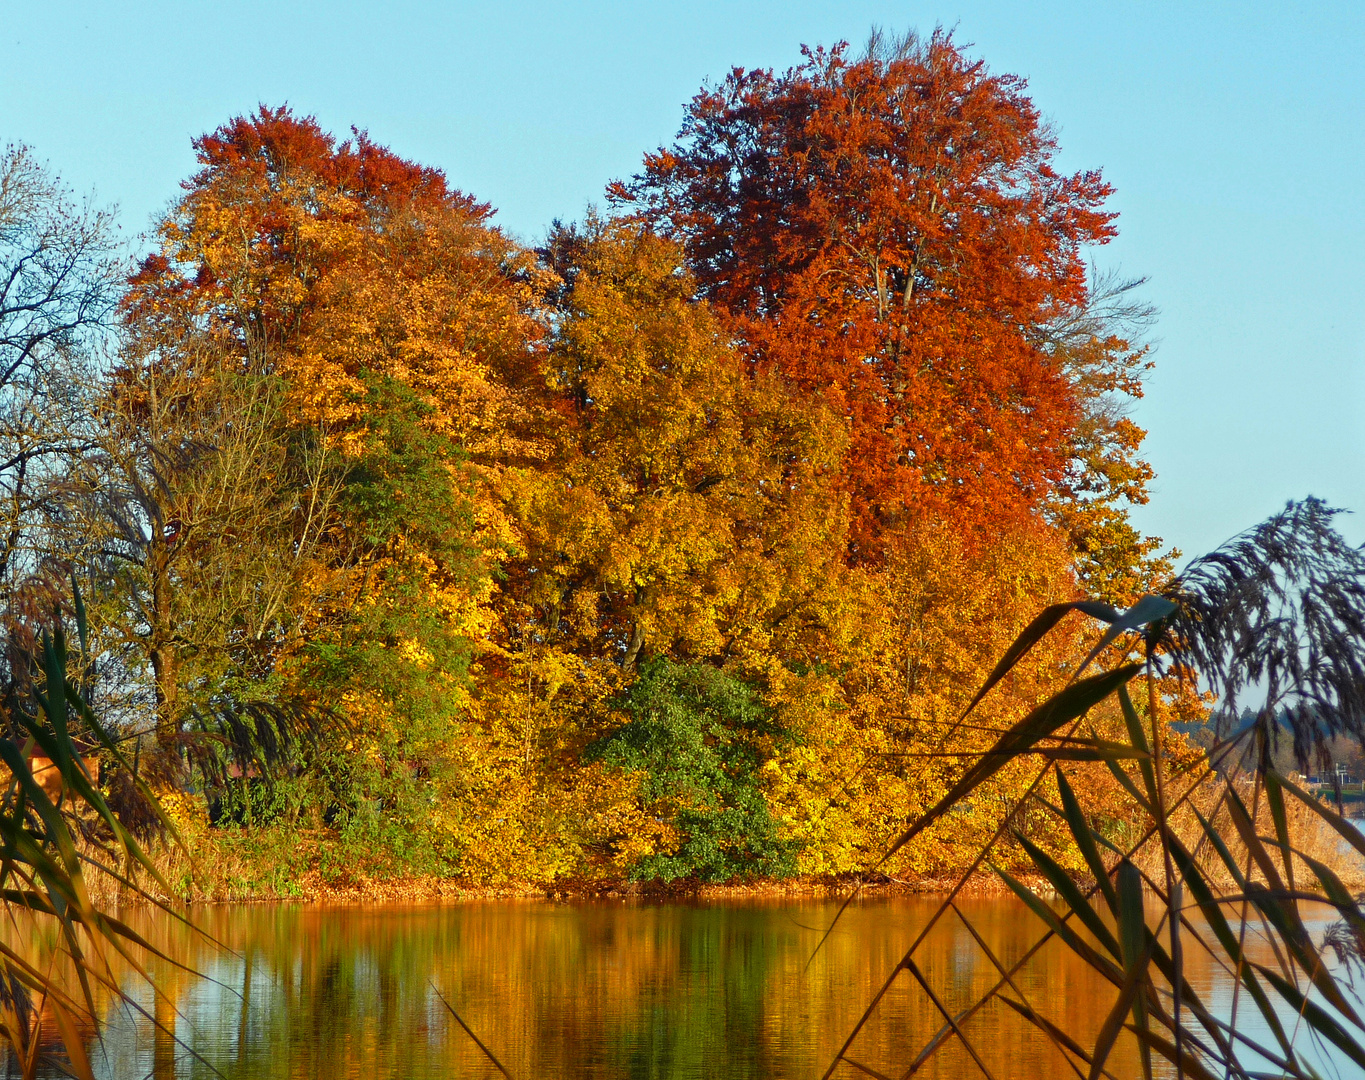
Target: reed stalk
[(1212, 883)]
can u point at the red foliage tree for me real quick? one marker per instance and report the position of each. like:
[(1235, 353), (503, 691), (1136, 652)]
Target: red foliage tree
[(252, 236), (890, 232)]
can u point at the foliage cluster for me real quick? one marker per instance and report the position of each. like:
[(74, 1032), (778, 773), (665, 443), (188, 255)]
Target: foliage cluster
[(671, 549), (697, 738), (668, 548)]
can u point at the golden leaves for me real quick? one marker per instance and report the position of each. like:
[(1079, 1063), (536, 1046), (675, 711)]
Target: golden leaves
[(637, 486)]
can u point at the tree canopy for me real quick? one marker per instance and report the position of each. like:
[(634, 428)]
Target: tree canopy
[(889, 232), (667, 548)]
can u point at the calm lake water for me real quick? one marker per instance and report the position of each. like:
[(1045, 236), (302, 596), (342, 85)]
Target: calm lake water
[(600, 989)]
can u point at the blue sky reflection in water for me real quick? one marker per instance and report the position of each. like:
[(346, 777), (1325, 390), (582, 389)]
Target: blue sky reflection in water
[(603, 990), (1229, 131)]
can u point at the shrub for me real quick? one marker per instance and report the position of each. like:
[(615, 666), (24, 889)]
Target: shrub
[(698, 738)]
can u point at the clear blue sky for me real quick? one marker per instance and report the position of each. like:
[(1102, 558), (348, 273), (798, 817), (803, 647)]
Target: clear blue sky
[(1235, 138)]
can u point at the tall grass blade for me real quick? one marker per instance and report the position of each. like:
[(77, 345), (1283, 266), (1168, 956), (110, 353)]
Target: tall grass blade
[(470, 1032), (918, 976), (1343, 828), (1072, 703), (1038, 629), (1246, 831), (1074, 941), (1132, 926), (1126, 782), (1138, 738), (1149, 609), (1337, 893), (1191, 1065), (1085, 841), (1045, 1025), (1274, 794), (1070, 893), (72, 1043), (1213, 914), (1296, 939), (1129, 990), (1321, 1021), (1282, 609)]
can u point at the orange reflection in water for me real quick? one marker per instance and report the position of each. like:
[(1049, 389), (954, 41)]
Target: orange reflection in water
[(600, 989)]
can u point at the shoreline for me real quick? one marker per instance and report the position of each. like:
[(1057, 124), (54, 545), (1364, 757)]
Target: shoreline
[(364, 891)]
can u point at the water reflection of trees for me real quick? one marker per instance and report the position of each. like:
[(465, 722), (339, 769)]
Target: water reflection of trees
[(590, 990)]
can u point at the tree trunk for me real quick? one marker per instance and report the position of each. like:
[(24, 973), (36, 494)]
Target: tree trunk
[(637, 640)]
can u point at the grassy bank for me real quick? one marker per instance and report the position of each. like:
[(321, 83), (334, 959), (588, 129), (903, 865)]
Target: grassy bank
[(250, 866), (275, 862)]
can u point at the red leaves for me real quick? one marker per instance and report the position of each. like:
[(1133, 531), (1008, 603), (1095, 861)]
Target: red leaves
[(275, 144), (889, 233)]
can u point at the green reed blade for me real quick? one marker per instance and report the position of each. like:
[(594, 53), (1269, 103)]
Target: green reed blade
[(1139, 740), (1066, 888), (1036, 630), (1070, 704), (1099, 962), (1191, 1064), (1085, 841), (1321, 1021), (1344, 829), (1213, 914)]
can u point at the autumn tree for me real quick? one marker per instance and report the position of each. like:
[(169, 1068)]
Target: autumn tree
[(324, 260), (890, 231), (395, 329), (250, 239), (880, 738), (690, 499), (684, 510), (201, 516), (58, 288), (761, 475), (1101, 346)]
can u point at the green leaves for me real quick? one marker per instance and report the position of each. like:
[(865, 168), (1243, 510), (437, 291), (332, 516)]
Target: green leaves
[(696, 740)]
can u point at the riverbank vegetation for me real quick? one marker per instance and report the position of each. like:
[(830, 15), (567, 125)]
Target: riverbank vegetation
[(1249, 874), (664, 549), (700, 544)]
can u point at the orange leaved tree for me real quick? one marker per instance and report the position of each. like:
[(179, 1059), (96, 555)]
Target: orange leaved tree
[(890, 231)]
